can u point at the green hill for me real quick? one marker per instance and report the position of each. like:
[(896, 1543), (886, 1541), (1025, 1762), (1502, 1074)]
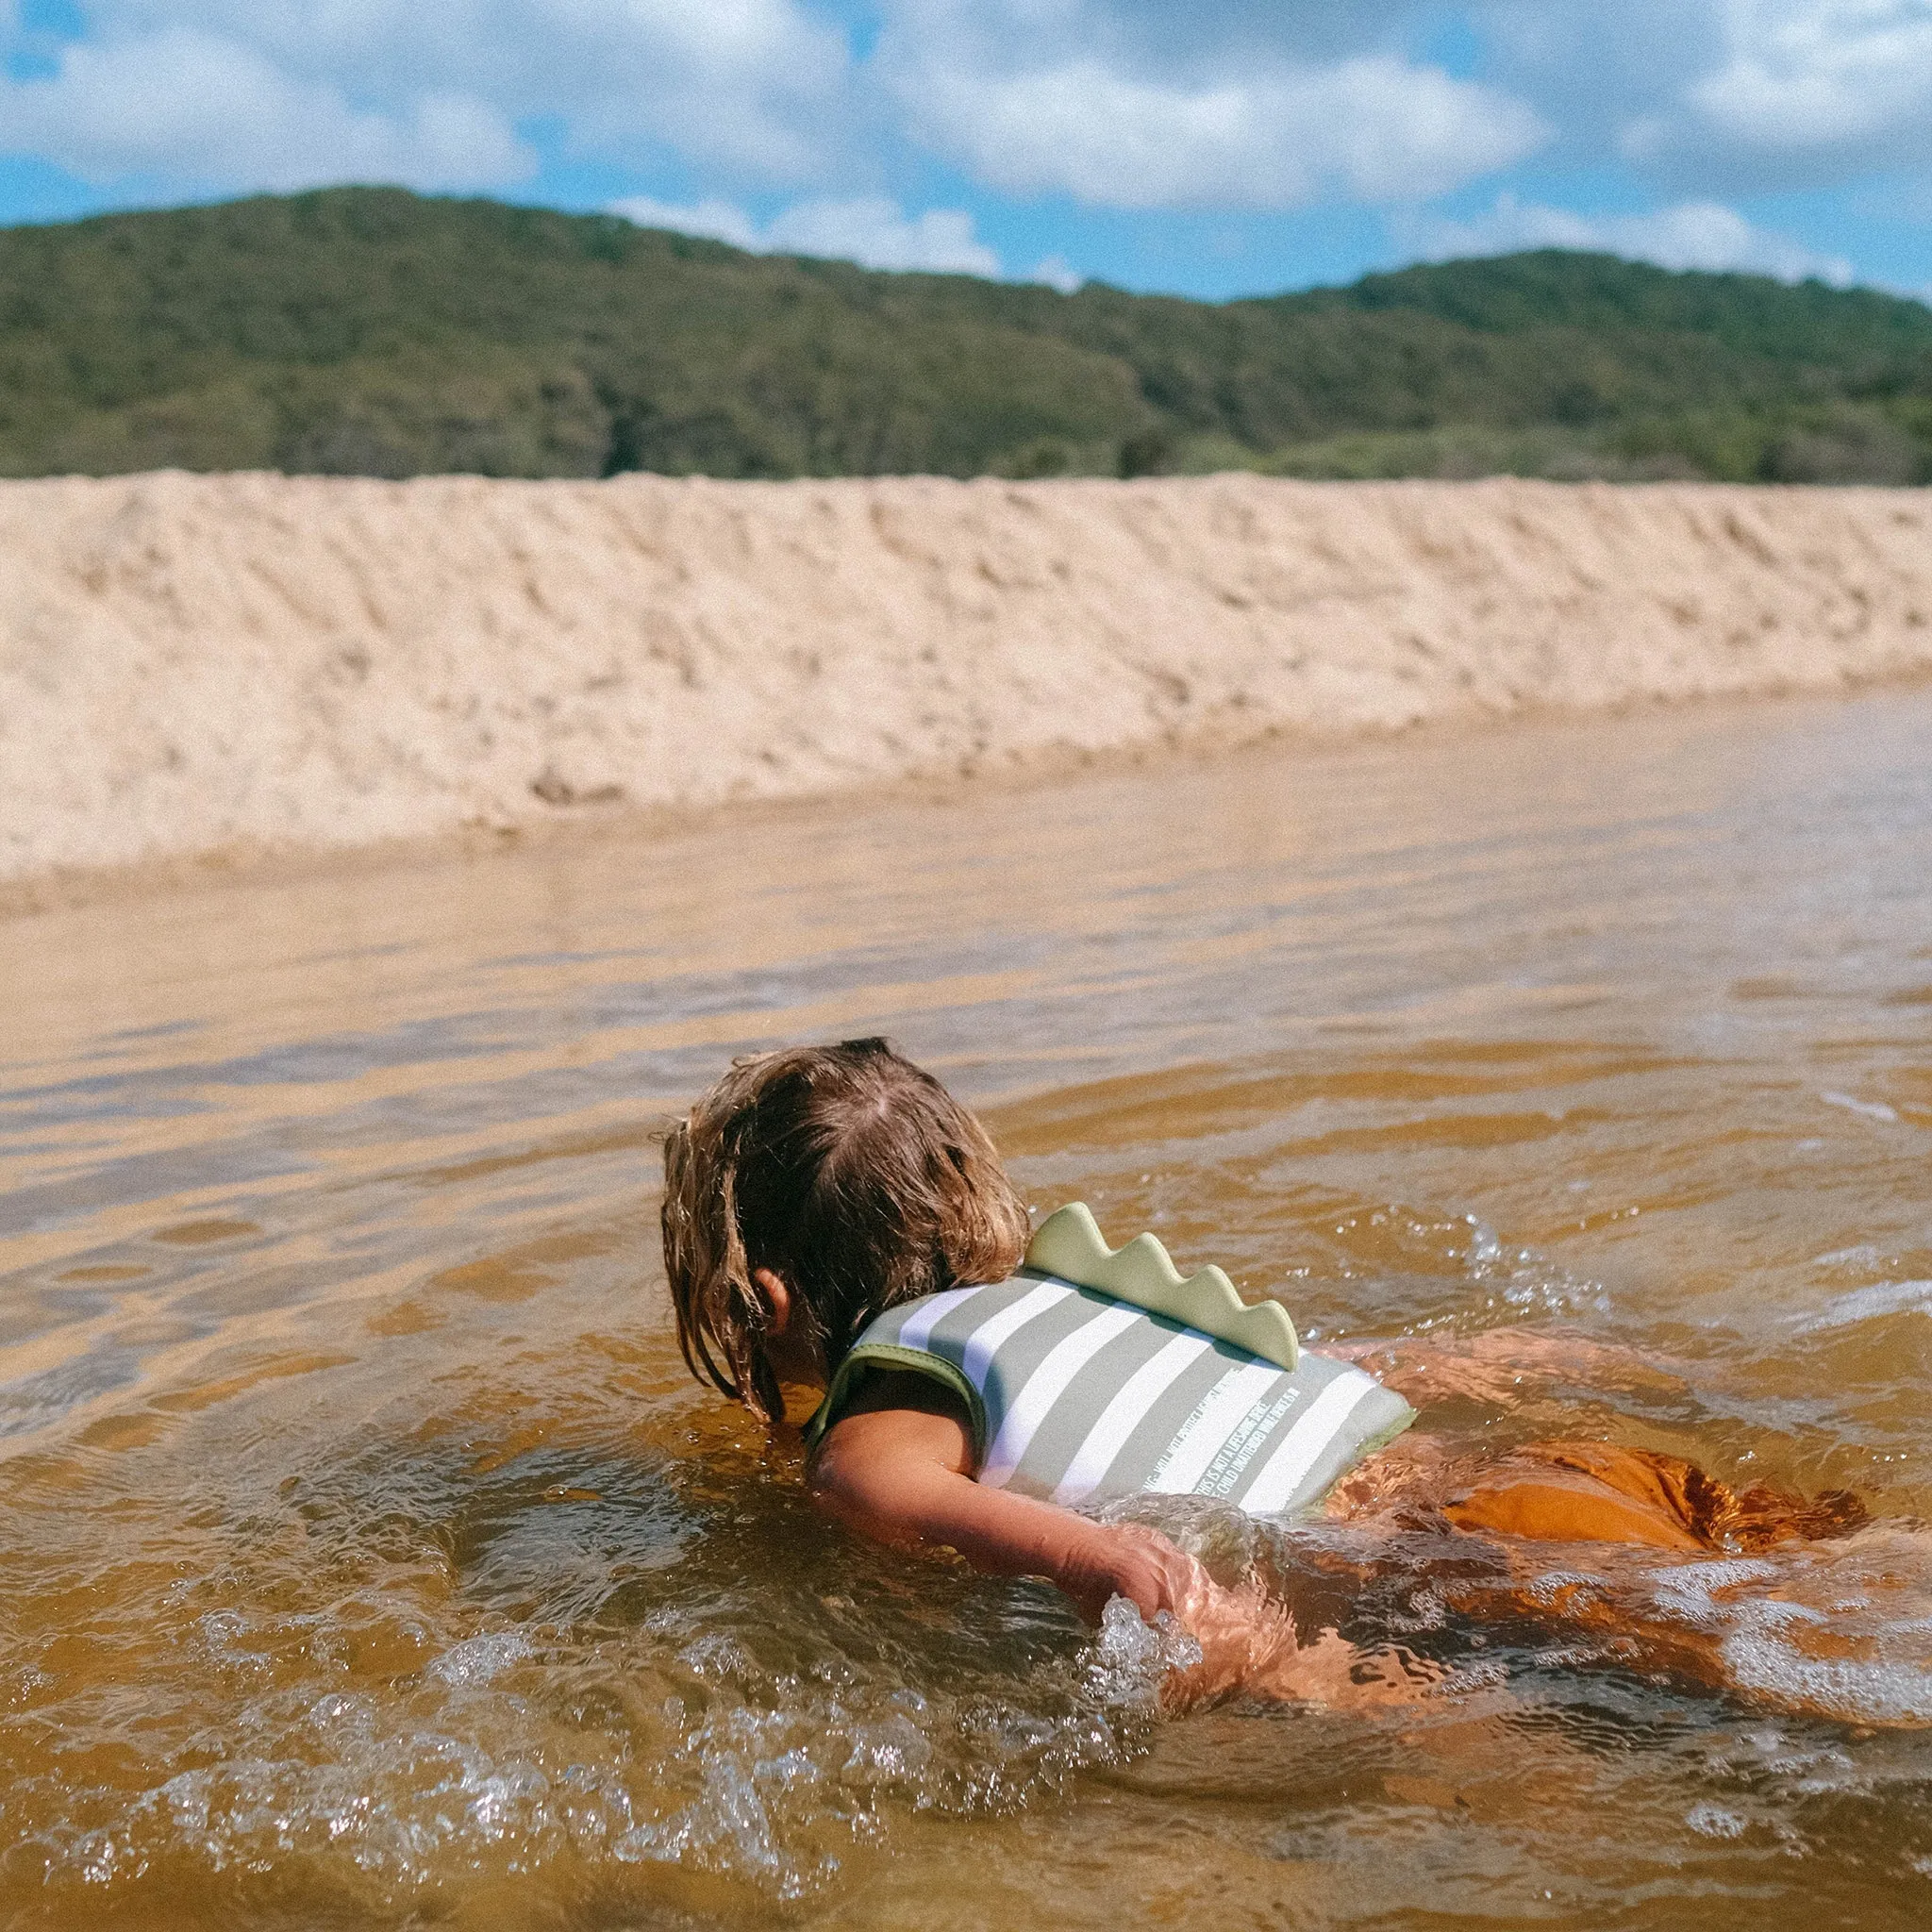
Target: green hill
[(369, 331)]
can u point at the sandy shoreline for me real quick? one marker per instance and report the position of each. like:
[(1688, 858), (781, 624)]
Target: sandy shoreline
[(196, 667)]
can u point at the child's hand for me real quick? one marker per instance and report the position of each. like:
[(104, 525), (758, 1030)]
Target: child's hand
[(1140, 1565), (1249, 1644)]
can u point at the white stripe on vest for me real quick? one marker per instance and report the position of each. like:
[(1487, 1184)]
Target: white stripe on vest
[(1123, 1414), (985, 1344), (931, 1313), (1048, 1385), (1284, 1471), (1208, 1429)]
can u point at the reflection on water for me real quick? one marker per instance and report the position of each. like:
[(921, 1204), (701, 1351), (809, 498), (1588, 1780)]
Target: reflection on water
[(368, 1556)]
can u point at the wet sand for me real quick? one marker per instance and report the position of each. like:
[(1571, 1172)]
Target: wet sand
[(219, 668), (366, 1557)]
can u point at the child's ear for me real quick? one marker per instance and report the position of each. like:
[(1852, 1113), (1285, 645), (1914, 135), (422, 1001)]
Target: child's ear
[(777, 1298)]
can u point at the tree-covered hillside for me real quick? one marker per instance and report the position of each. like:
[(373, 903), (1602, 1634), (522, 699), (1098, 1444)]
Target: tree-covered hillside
[(373, 332)]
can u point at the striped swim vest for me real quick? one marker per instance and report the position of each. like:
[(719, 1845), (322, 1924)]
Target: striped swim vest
[(1097, 1374)]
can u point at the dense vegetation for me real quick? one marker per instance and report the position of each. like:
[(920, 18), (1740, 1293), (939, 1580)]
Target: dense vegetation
[(369, 331)]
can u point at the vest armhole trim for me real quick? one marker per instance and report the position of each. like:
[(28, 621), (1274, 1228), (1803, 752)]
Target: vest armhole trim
[(887, 1355)]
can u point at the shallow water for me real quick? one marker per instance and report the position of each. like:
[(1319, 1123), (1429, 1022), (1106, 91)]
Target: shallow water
[(366, 1557)]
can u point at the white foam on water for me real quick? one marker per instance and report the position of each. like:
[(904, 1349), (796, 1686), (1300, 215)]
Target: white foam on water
[(728, 1825), (1713, 1821), (1689, 1591), (1554, 1586), (1864, 1303), (1871, 1110), (1852, 1689), (1485, 1245), (886, 1753), (480, 1660), (1866, 1664), (1863, 1255), (1131, 1657)]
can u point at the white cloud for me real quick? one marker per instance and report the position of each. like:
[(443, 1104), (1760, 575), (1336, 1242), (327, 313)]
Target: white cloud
[(1252, 103), (1831, 75), (1693, 234), (873, 231), (1726, 96), (716, 221), (202, 111), (260, 93), (1058, 272), (1260, 132), (870, 230)]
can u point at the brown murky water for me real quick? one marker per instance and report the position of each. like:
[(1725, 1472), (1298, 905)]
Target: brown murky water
[(366, 1557)]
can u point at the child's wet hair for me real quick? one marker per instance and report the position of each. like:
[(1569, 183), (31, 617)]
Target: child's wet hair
[(853, 1175)]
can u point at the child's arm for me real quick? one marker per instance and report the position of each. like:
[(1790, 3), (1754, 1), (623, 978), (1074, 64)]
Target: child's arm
[(898, 1467)]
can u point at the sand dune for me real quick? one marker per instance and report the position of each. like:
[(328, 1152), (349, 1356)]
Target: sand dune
[(197, 664)]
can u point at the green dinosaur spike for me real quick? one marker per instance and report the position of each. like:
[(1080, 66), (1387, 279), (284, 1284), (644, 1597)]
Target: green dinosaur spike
[(1069, 1246)]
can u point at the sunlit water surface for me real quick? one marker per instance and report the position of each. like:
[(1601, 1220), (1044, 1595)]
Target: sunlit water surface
[(366, 1556)]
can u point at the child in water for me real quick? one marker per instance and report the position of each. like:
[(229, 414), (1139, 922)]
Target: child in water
[(822, 1199)]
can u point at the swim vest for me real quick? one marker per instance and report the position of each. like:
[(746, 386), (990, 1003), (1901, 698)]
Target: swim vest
[(1095, 1373)]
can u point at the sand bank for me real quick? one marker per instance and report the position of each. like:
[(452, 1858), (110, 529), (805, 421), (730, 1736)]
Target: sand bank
[(201, 664)]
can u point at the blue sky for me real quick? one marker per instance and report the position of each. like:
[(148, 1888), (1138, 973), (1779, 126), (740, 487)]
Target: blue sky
[(1211, 147)]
